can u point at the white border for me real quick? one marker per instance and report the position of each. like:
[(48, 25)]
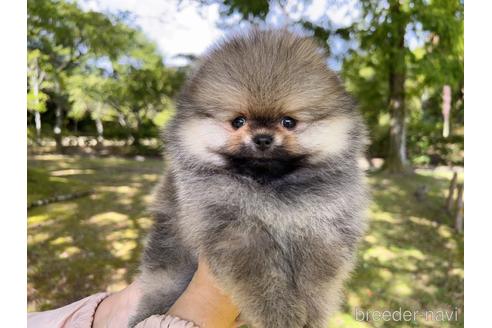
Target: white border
[(478, 172), (13, 137), (478, 219)]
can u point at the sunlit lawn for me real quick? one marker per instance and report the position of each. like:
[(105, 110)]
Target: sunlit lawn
[(410, 258)]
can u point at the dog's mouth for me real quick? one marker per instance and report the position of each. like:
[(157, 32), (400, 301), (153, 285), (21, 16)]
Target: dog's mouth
[(264, 169)]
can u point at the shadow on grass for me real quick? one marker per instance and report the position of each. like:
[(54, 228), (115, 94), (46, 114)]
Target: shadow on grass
[(411, 258), (91, 244)]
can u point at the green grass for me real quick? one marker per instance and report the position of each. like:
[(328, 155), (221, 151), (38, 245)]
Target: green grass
[(411, 258), (89, 244), (42, 184)]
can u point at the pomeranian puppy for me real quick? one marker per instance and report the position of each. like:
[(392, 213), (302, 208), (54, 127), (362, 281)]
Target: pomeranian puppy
[(262, 180)]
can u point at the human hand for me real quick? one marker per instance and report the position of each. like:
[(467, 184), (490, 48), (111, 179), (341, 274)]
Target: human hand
[(115, 310), (203, 303)]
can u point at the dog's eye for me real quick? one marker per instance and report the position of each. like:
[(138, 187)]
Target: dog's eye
[(238, 122), (288, 122)]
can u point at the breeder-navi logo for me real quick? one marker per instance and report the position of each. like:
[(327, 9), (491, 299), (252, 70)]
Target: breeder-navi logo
[(406, 315)]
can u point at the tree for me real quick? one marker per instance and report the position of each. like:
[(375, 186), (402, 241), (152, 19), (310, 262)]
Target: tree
[(382, 33), (100, 68), (139, 86), (86, 94), (396, 159), (68, 37), (37, 70), (411, 73)]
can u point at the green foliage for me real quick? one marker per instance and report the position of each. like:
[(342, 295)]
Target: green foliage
[(438, 62), (38, 67), (163, 117), (95, 67), (247, 9), (36, 102), (86, 96), (66, 33), (140, 83)]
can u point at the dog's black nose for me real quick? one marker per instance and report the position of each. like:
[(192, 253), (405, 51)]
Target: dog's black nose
[(263, 141)]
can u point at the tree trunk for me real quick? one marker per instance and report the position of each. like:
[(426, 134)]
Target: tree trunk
[(36, 80), (458, 222), (37, 121), (37, 114), (136, 138), (396, 159), (100, 131), (58, 119), (58, 128), (136, 133), (452, 188), (122, 121)]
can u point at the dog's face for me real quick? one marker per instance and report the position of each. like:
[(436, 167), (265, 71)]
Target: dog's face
[(259, 145), (264, 105)]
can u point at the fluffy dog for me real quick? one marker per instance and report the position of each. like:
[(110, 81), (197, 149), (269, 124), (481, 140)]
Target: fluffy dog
[(262, 180)]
